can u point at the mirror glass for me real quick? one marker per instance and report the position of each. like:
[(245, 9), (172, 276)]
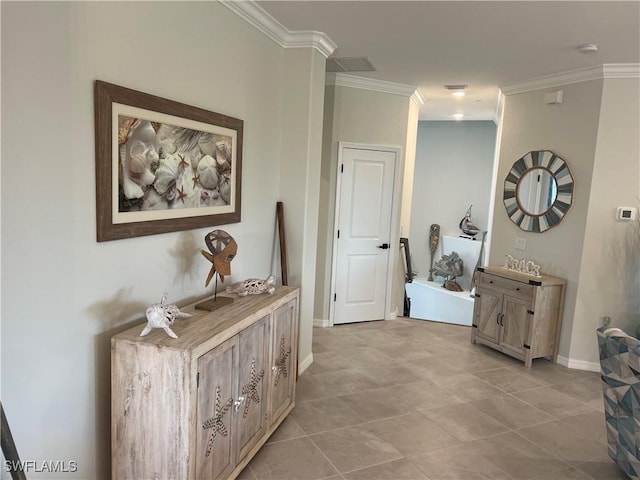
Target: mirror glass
[(537, 190)]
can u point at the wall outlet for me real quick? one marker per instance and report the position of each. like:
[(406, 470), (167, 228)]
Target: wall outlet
[(521, 243), (606, 321)]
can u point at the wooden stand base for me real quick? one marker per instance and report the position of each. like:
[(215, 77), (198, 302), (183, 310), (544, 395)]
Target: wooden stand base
[(214, 303)]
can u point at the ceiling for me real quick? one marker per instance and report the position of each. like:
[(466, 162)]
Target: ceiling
[(485, 45)]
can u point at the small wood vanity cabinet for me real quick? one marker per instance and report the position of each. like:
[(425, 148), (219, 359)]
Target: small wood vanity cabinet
[(200, 406), (518, 314)]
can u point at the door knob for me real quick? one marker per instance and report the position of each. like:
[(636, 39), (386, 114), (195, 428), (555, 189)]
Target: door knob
[(384, 246)]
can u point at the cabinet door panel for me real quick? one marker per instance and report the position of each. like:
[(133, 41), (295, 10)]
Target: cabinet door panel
[(486, 313), (283, 364), (252, 385), (215, 455), (515, 320)]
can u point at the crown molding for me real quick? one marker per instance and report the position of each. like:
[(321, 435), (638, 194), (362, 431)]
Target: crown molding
[(417, 98), (610, 70), (621, 70), (272, 28), (344, 80)]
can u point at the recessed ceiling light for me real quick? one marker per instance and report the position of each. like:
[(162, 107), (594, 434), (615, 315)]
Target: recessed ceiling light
[(458, 93), (588, 48), (458, 116)]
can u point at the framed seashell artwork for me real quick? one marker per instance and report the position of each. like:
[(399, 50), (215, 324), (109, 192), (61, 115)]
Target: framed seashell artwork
[(163, 166)]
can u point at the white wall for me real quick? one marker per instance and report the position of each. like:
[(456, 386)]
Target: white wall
[(609, 279), (300, 179), (355, 115), (453, 169), (64, 295), (570, 130)]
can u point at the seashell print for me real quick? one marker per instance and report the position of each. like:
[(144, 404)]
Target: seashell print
[(124, 126), (130, 188), (224, 167), (223, 151), (188, 139), (153, 201), (225, 188), (196, 155), (137, 157), (165, 141), (166, 177), (207, 144), (208, 173), (143, 131), (211, 198)]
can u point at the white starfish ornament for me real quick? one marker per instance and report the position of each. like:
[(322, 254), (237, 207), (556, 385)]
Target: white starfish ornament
[(162, 315)]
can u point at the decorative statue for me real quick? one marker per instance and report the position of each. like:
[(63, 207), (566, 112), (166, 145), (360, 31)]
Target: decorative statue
[(253, 286), (434, 238), (450, 267), (467, 226), (223, 249), (162, 315)]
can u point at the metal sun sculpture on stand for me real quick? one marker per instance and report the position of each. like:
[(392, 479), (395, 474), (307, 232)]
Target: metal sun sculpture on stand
[(434, 238), (222, 249), (162, 315)]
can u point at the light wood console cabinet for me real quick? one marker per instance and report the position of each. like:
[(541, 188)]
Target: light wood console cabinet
[(518, 314), (201, 406)]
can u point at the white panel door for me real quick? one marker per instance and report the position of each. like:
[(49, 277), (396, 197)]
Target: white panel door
[(364, 228)]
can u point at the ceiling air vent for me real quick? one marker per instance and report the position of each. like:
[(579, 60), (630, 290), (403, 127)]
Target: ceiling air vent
[(349, 64)]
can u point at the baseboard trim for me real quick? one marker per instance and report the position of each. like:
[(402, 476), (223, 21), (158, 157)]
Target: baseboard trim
[(578, 364), (320, 323), (304, 364)]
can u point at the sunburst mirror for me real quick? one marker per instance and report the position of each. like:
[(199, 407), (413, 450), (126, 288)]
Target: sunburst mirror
[(538, 191)]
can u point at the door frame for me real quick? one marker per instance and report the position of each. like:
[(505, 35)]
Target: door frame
[(395, 221)]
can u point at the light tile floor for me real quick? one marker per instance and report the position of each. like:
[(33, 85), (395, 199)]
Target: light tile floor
[(410, 399)]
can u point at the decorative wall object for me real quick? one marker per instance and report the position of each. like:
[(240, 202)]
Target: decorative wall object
[(434, 238), (222, 249), (450, 267), (163, 166), (538, 191), (162, 315), (467, 226)]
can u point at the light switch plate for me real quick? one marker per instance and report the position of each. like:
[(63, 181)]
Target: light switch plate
[(521, 243)]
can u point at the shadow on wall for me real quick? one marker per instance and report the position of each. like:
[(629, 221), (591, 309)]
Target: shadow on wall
[(120, 307), (185, 254), (119, 313), (110, 315)]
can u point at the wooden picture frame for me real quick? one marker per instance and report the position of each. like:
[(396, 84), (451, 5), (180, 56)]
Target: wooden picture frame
[(163, 166)]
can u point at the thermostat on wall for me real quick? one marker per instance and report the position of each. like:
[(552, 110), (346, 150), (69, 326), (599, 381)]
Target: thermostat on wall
[(626, 213)]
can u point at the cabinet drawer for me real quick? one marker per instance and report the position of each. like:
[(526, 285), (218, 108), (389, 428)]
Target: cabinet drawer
[(514, 287)]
